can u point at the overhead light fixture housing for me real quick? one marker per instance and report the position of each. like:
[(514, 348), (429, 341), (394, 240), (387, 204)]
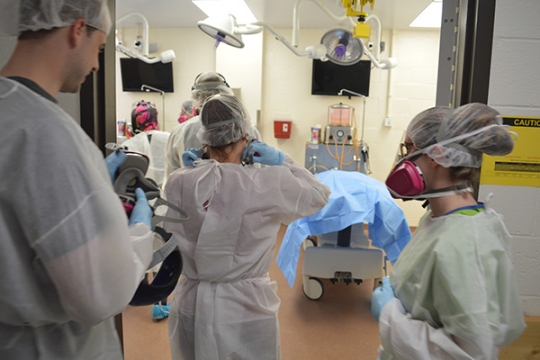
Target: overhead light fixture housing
[(430, 17), (222, 29), (341, 47), (216, 8)]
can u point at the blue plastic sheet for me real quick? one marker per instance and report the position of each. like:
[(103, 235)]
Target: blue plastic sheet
[(355, 198)]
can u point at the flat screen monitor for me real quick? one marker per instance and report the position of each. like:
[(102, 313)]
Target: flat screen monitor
[(329, 78), (136, 73)]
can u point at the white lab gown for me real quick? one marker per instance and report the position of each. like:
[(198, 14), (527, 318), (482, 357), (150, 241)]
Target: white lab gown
[(68, 261), (457, 293), (155, 149), (225, 305), (184, 136)]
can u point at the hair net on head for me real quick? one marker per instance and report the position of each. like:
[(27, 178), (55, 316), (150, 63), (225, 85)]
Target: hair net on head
[(187, 106), (144, 117), (459, 137), (224, 121), (208, 84), (34, 15)]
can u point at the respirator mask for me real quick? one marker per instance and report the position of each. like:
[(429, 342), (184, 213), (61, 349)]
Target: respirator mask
[(406, 181), (130, 176)]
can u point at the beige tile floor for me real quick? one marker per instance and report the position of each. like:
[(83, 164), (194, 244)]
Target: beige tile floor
[(338, 326)]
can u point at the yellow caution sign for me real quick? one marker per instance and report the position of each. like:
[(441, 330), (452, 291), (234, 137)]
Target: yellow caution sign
[(522, 166)]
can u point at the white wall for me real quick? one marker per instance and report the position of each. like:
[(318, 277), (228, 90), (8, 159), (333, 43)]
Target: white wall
[(514, 91), (243, 70), (269, 77), (287, 95)]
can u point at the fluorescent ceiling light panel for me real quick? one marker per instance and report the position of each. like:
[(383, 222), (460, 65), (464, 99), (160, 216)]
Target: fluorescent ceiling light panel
[(238, 8), (430, 17)]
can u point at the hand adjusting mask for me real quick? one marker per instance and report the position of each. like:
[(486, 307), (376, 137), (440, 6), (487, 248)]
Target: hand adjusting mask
[(130, 176)]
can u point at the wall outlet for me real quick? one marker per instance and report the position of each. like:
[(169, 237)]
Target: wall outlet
[(388, 121)]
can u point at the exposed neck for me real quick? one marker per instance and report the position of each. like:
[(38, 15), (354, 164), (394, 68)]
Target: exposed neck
[(42, 63), (443, 205), (233, 151)]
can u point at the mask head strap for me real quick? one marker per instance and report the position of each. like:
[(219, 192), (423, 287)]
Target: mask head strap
[(209, 84), (220, 123)]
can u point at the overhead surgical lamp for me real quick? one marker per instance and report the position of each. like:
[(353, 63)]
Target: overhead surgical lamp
[(363, 30), (165, 57), (339, 46), (225, 29)]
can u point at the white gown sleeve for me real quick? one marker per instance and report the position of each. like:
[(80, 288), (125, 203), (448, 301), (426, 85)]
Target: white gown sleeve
[(306, 194), (99, 279), (77, 227), (172, 152), (406, 338)]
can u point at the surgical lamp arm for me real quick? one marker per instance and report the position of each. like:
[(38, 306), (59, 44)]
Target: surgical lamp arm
[(296, 17), (314, 52), (145, 28), (137, 55), (377, 22)]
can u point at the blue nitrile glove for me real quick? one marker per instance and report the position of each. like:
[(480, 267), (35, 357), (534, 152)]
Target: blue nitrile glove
[(190, 155), (381, 296), (263, 153), (142, 212), (113, 162)]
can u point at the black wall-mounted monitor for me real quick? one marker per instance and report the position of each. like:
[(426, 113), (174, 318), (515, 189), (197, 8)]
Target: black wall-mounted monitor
[(136, 73), (329, 78)]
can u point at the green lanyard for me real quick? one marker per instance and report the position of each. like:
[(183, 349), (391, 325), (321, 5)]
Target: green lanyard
[(468, 210)]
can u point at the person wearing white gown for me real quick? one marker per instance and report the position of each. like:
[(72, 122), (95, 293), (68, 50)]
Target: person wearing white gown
[(225, 305), (69, 259), (149, 139)]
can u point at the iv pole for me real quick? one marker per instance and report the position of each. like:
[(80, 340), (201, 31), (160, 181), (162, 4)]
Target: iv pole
[(363, 146)]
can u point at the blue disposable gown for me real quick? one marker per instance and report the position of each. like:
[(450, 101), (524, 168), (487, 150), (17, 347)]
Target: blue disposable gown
[(225, 306), (355, 199), (457, 292), (68, 261)]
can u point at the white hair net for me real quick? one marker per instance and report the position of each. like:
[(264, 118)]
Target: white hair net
[(459, 137), (187, 106), (208, 84), (224, 121), (17, 16)]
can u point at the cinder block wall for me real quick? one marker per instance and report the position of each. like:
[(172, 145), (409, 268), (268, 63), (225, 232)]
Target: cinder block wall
[(515, 91)]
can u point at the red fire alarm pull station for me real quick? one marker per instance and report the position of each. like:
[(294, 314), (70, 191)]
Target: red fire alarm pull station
[(282, 129)]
